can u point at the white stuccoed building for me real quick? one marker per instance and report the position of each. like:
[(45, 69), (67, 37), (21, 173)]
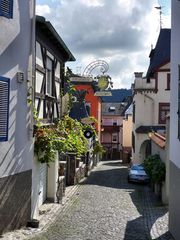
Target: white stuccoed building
[(151, 97), (17, 41), (174, 192)]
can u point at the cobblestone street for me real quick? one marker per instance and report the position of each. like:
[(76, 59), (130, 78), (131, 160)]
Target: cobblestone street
[(105, 206)]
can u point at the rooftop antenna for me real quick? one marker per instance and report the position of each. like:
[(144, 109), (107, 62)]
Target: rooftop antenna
[(160, 15)]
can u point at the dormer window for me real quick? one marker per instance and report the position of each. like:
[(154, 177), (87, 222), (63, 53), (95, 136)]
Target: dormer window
[(112, 109), (114, 137), (6, 8)]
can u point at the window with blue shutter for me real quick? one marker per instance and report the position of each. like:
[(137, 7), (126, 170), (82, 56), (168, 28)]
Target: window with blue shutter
[(4, 108), (6, 8)]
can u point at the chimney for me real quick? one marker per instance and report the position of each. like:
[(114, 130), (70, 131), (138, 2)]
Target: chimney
[(138, 74)]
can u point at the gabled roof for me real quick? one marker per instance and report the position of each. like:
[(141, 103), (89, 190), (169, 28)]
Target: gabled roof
[(51, 34), (160, 55), (118, 95)]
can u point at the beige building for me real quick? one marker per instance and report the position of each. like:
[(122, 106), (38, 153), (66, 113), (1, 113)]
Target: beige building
[(127, 135)]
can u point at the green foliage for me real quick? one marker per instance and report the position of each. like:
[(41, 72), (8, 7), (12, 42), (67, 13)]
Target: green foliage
[(73, 136), (155, 168), (36, 119), (65, 136), (98, 148), (70, 87), (45, 144)]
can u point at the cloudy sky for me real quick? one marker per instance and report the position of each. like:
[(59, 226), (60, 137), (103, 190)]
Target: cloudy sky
[(120, 32)]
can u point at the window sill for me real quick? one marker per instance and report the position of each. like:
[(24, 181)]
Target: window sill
[(49, 97)]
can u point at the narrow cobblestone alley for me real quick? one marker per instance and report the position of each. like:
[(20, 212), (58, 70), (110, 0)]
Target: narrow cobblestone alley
[(105, 206)]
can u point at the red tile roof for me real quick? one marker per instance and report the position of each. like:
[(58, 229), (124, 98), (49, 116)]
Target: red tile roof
[(158, 139)]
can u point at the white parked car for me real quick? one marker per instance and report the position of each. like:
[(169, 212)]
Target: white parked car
[(137, 174)]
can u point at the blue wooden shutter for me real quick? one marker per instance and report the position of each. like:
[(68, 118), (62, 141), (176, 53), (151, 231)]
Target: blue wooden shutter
[(4, 108), (6, 8)]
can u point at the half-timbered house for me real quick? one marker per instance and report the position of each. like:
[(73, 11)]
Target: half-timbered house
[(32, 61), (51, 55)]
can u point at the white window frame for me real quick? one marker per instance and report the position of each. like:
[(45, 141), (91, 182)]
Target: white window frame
[(114, 135), (49, 78)]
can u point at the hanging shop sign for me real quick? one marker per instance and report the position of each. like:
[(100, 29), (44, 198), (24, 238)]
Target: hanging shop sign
[(103, 82)]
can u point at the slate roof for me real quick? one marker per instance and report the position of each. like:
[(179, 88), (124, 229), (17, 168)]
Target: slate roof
[(160, 55), (118, 95), (51, 34), (147, 129)]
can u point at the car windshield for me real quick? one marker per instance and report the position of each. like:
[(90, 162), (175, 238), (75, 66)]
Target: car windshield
[(137, 167)]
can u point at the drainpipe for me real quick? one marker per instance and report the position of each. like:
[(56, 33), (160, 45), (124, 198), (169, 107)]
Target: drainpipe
[(152, 100)]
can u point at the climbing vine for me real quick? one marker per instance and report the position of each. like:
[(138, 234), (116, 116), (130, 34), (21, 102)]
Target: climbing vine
[(66, 135)]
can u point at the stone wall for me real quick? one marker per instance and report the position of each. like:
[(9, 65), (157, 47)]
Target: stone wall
[(15, 199)]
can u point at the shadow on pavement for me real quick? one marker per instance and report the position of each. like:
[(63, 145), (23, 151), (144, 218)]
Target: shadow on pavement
[(113, 174)]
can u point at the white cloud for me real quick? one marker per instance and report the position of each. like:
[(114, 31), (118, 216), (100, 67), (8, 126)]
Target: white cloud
[(120, 32), (43, 10), (92, 3)]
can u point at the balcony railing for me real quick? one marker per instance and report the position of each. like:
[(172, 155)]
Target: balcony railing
[(143, 84), (110, 123)]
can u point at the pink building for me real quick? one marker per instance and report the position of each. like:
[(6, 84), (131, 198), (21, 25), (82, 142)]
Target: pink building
[(113, 109)]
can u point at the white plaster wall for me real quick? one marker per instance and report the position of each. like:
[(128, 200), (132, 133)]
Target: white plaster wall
[(35, 188), (137, 157), (52, 179), (147, 104), (147, 109), (143, 109), (16, 55), (175, 61), (52, 182), (174, 143), (157, 150)]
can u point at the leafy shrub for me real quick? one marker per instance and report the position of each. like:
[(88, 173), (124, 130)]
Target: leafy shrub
[(155, 168), (67, 135), (98, 148)]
